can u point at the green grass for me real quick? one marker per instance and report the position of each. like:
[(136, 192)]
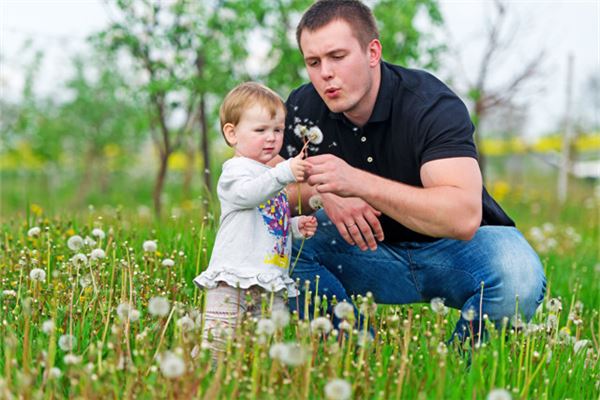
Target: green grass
[(407, 359)]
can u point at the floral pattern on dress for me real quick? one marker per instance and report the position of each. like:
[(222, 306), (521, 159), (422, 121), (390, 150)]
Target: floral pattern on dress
[(276, 215)]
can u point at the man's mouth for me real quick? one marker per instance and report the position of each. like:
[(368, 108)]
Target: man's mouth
[(332, 92)]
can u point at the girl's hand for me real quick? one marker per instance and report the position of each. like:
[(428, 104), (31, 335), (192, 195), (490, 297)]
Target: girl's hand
[(307, 225), (299, 167)]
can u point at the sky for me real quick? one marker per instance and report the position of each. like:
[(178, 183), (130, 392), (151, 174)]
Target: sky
[(559, 27)]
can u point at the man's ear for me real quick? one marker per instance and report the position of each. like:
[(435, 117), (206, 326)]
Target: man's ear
[(229, 132), (374, 52)]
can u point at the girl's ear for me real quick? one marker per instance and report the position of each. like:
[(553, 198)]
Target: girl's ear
[(229, 132)]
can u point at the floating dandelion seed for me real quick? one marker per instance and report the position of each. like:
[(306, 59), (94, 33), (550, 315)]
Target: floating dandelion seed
[(185, 323), (150, 246), (167, 262), (499, 394), (554, 305), (321, 324), (437, 306), (37, 274), (99, 233), (315, 202), (344, 310), (48, 326), (97, 254), (34, 232), (338, 389), (67, 342), (171, 365), (158, 306), (265, 327), (75, 242), (281, 318)]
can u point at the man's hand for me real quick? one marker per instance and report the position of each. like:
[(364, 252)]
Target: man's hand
[(307, 225), (355, 219), (299, 167), (331, 174)]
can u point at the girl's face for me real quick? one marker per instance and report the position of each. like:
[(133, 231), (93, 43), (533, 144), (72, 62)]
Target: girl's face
[(258, 135)]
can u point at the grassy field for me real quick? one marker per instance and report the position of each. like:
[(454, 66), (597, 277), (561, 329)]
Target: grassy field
[(105, 316)]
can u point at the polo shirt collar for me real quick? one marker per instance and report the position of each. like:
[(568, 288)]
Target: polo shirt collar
[(383, 103)]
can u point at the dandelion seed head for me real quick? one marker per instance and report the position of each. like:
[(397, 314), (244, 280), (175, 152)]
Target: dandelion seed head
[(34, 232), (158, 306), (437, 306), (315, 202), (315, 135), (150, 246), (265, 327), (48, 326), (71, 359), (98, 233), (9, 292), (499, 394), (277, 350), (281, 318), (338, 389), (554, 305), (294, 356), (321, 324), (55, 373), (171, 365), (88, 241), (469, 314), (167, 262), (185, 323), (85, 281), (344, 310), (79, 259), (580, 345), (37, 274), (97, 254), (67, 342), (75, 242)]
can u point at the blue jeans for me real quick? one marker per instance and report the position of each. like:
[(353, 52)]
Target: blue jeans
[(410, 272)]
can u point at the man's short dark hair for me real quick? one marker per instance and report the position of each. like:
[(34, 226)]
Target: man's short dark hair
[(353, 12)]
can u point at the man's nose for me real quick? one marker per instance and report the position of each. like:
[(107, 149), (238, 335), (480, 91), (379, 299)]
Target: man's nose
[(326, 70)]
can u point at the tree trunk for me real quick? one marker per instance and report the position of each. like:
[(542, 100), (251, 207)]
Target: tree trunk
[(160, 182), (188, 173), (204, 146)]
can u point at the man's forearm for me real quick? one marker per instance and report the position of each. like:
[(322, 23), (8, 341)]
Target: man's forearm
[(442, 211)]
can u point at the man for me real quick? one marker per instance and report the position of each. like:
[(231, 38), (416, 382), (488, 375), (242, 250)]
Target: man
[(397, 174)]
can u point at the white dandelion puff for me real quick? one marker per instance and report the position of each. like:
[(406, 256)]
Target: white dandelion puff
[(277, 350), (37, 274), (48, 326), (294, 355), (158, 306), (71, 359), (167, 262), (315, 202), (85, 281), (344, 310), (67, 342), (469, 314), (171, 365), (338, 389), (321, 324), (97, 254), (150, 246), (580, 345), (442, 349), (98, 233), (34, 232), (185, 323), (88, 241), (437, 306), (345, 326), (54, 373), (554, 305), (281, 318), (75, 242), (266, 327), (314, 135), (499, 394), (79, 258), (9, 292), (552, 322)]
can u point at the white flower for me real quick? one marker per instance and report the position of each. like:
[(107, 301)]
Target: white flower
[(171, 365), (437, 306), (299, 130), (9, 292), (552, 322), (277, 350), (364, 339), (75, 242), (150, 246), (37, 274), (72, 359), (97, 254), (338, 389), (469, 314), (442, 349), (134, 315), (265, 327), (321, 324), (554, 305), (185, 323), (34, 232), (158, 306), (99, 233), (67, 342), (580, 344), (314, 135), (48, 326), (294, 355), (88, 241), (85, 281), (79, 258), (315, 202), (281, 318), (345, 326), (499, 394), (167, 262), (55, 373), (344, 310), (124, 311)]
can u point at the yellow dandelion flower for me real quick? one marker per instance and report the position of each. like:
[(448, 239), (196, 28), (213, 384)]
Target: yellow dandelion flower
[(36, 209)]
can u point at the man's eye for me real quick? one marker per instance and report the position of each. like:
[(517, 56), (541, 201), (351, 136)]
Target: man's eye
[(313, 63)]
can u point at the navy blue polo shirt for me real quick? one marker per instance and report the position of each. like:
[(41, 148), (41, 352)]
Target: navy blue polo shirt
[(416, 119)]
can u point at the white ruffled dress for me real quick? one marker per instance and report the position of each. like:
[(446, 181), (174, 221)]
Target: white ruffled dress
[(253, 244)]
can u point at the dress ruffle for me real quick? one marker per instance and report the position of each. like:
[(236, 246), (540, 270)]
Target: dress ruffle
[(270, 281)]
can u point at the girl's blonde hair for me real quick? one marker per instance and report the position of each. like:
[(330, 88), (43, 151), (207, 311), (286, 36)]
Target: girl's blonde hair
[(244, 96)]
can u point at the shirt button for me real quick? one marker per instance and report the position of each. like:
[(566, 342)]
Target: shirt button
[(363, 139), (370, 159)]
